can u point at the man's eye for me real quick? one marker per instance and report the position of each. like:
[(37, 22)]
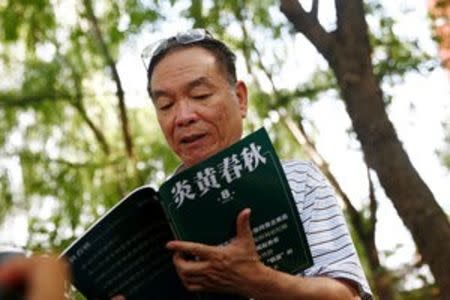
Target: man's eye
[(165, 105), (201, 96)]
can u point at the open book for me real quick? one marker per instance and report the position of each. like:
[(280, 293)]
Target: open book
[(124, 252)]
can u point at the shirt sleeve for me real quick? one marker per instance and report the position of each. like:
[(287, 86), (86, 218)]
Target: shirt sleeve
[(332, 249)]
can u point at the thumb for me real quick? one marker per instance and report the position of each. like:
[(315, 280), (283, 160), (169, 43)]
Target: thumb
[(243, 230)]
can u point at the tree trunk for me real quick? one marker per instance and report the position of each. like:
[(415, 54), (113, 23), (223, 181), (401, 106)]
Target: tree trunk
[(348, 53), (382, 277), (382, 281)]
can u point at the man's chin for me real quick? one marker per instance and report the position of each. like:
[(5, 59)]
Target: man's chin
[(192, 160)]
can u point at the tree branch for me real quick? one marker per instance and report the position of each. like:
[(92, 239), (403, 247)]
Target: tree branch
[(78, 102), (308, 24), (315, 9), (246, 39), (373, 203), (351, 25), (8, 100), (23, 101), (299, 133), (61, 161), (265, 70), (116, 78), (306, 142), (79, 106)]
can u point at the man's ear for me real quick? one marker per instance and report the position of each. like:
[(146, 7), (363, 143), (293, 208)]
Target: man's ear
[(242, 94)]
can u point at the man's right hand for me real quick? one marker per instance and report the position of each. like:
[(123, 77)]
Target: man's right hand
[(44, 278), (221, 269)]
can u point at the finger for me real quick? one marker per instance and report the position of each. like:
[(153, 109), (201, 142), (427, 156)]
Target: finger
[(194, 287), (47, 278), (243, 230), (194, 283), (118, 297), (15, 270), (197, 280), (196, 249), (207, 283), (188, 267)]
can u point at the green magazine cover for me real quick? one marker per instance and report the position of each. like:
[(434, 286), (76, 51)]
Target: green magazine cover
[(202, 202), (124, 252)]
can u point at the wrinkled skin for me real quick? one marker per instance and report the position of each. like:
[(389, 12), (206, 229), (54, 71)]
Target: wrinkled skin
[(199, 111)]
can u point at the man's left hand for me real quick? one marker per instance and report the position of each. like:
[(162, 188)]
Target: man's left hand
[(219, 268)]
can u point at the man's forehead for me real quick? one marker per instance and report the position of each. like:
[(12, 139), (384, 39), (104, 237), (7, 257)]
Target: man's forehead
[(193, 65), (195, 82)]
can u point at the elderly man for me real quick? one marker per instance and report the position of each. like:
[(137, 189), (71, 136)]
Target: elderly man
[(200, 107)]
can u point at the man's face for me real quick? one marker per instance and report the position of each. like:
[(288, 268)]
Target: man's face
[(198, 110)]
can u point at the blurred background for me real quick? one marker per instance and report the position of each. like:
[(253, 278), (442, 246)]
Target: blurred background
[(78, 131)]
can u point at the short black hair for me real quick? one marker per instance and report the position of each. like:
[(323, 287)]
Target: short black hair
[(226, 59)]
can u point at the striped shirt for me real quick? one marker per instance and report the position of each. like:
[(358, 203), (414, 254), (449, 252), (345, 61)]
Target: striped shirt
[(332, 249)]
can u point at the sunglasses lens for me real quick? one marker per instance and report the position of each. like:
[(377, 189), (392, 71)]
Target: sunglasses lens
[(152, 50), (191, 36), (147, 52)]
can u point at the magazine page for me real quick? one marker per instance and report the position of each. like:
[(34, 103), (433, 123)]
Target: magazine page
[(124, 253)]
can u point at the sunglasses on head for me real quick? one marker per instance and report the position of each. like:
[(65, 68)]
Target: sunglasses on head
[(183, 38)]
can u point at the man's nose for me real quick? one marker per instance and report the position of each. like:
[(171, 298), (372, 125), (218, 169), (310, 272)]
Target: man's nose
[(186, 113)]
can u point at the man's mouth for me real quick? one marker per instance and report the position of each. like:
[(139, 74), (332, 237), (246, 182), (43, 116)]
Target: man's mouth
[(191, 138)]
